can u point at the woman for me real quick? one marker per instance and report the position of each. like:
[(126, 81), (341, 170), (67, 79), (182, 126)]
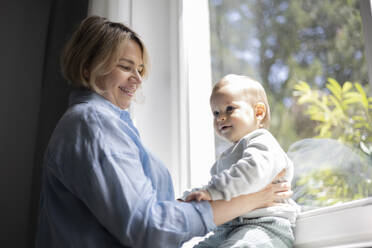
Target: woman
[(102, 187)]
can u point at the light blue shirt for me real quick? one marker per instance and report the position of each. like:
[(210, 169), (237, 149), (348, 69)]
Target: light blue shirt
[(102, 187)]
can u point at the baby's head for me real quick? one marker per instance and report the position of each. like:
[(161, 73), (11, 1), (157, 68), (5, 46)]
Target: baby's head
[(239, 106)]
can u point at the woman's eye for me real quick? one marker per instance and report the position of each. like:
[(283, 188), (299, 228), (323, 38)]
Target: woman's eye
[(215, 113), (126, 68), (229, 109)]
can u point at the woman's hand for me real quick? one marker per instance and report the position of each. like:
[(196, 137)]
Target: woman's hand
[(271, 195), (274, 193)]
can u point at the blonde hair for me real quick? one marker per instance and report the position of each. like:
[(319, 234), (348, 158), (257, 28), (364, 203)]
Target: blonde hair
[(253, 88), (94, 49)]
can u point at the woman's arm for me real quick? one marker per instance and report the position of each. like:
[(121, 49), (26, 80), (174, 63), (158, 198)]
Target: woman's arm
[(224, 211), (262, 159)]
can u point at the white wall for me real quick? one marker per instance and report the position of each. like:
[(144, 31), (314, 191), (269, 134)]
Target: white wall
[(153, 117)]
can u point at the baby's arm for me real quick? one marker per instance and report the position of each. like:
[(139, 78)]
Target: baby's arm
[(198, 194), (257, 168)]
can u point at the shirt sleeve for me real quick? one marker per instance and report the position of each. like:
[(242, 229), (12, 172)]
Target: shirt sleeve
[(257, 167), (116, 188)]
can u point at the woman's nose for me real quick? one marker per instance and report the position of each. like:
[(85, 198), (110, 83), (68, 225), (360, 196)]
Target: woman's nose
[(137, 77)]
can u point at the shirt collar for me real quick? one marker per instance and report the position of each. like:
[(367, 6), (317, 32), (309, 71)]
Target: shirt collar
[(84, 96)]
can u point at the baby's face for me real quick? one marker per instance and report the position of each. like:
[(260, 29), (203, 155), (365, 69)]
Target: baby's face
[(234, 115)]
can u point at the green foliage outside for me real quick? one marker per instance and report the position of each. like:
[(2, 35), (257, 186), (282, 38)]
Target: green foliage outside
[(344, 113), (329, 185)]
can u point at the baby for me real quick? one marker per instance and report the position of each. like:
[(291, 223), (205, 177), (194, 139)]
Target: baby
[(242, 115)]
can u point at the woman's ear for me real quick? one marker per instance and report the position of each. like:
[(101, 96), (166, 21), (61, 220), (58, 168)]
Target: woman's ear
[(260, 111), (86, 74)]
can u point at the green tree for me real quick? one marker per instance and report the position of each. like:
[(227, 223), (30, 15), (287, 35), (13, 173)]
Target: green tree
[(330, 185), (342, 113)]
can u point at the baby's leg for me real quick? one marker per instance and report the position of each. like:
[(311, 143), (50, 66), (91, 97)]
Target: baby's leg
[(264, 232), (215, 239)]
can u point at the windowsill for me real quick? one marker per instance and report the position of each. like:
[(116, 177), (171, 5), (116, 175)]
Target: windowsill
[(345, 225)]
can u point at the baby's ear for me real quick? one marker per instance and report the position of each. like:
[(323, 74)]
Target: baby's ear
[(260, 111)]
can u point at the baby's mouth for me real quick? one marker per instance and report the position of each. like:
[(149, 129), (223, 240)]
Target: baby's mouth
[(224, 128)]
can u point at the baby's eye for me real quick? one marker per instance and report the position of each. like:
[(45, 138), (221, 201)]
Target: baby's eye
[(215, 113), (229, 109)]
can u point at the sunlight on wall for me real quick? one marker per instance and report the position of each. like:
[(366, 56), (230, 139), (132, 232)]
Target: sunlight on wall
[(197, 44)]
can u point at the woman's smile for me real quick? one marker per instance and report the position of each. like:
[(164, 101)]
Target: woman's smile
[(129, 91)]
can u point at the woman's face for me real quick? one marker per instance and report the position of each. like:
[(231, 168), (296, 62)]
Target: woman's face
[(122, 82)]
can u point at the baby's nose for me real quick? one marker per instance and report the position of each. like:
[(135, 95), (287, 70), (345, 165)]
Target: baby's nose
[(221, 118)]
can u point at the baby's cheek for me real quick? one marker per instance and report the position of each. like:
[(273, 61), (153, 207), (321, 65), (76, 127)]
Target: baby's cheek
[(215, 126)]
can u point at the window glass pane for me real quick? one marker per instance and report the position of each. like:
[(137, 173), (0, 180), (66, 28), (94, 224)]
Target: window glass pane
[(309, 56)]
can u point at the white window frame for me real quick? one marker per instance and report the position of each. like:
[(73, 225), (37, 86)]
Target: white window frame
[(196, 80), (345, 225)]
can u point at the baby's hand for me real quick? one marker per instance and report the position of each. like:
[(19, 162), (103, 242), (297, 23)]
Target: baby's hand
[(200, 195)]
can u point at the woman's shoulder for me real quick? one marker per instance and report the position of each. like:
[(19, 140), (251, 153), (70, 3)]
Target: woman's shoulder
[(91, 114), (83, 117), (90, 110), (87, 124)]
